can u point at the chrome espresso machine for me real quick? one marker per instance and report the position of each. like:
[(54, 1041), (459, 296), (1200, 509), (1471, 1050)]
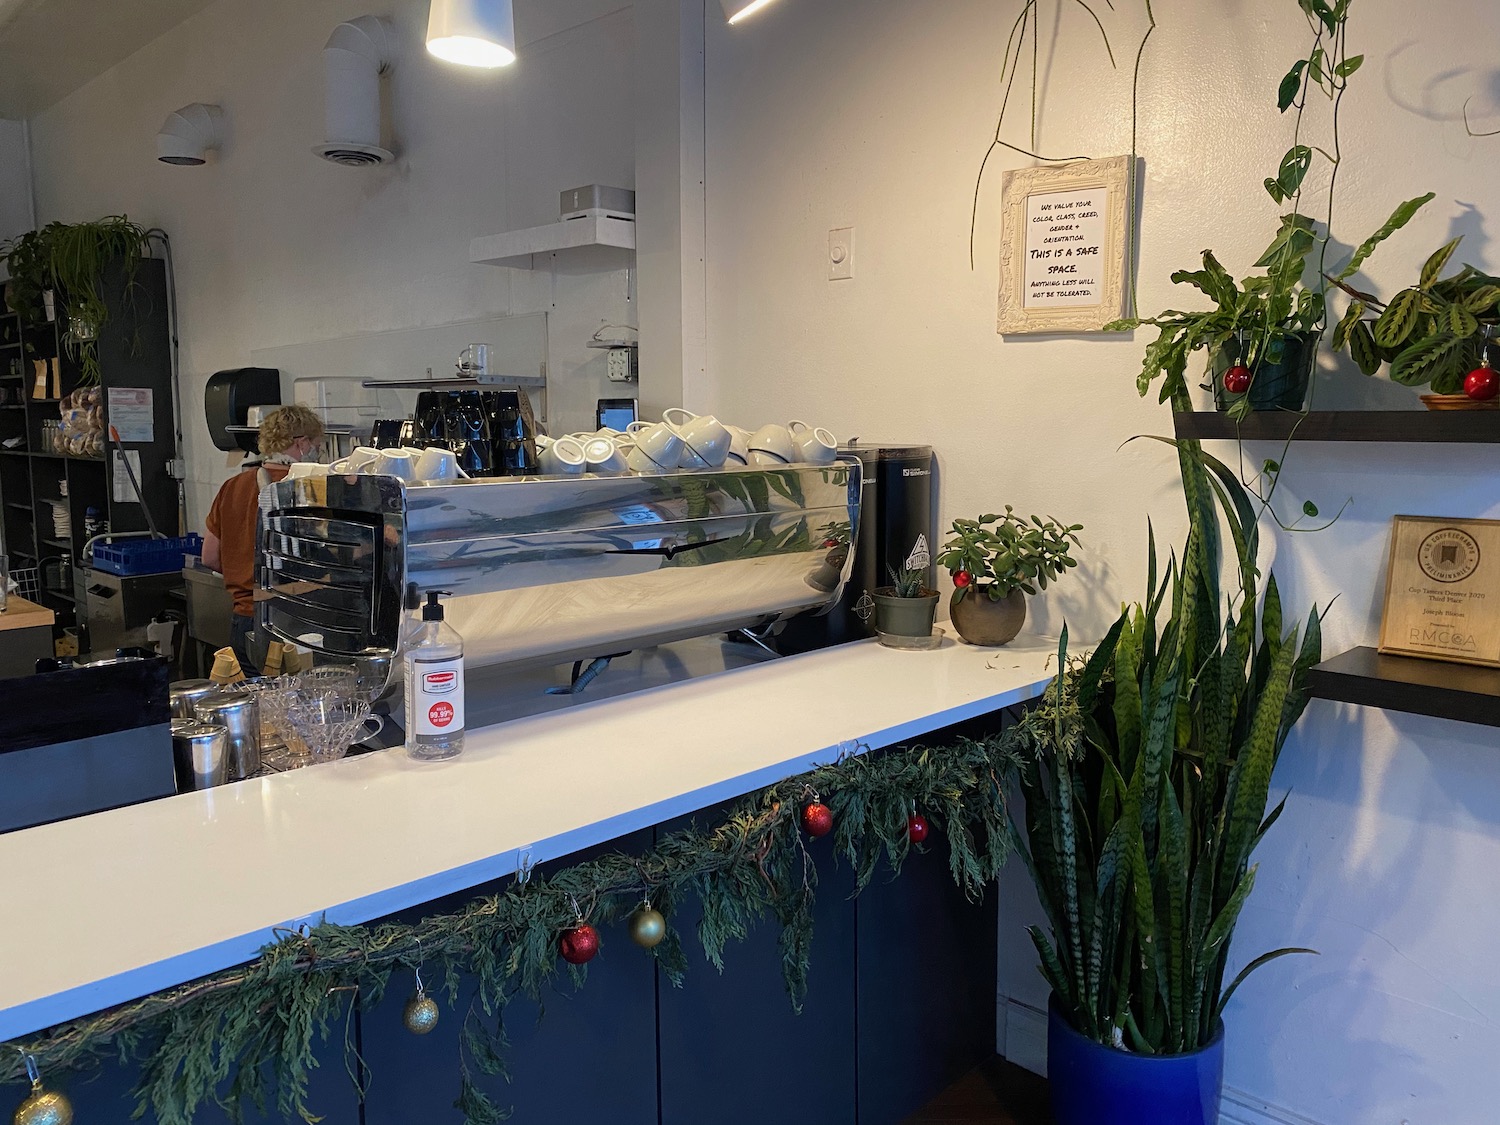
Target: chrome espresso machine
[(542, 570)]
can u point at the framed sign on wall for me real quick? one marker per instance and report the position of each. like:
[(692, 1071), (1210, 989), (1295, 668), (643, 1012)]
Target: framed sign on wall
[(1442, 591), (1062, 246)]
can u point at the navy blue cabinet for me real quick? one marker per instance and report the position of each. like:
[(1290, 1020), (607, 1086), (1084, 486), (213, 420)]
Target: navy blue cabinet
[(900, 1002)]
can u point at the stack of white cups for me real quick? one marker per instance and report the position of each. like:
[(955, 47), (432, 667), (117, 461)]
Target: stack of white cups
[(684, 442), (681, 442)]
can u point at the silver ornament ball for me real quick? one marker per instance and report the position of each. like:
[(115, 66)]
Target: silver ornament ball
[(647, 927), (44, 1107), (421, 1014)]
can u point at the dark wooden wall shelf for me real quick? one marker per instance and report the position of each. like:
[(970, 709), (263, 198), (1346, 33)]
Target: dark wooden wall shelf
[(1404, 683), (1474, 426)]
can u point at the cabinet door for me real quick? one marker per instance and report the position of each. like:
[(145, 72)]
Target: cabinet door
[(927, 984), (732, 1050), (104, 1095), (584, 1055)]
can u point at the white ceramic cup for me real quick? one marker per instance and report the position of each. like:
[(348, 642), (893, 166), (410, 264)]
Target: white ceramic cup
[(739, 446), (707, 441), (760, 459), (640, 462), (306, 469), (814, 444), (775, 440), (359, 461), (563, 458), (660, 443), (605, 458), (437, 465), (396, 463)]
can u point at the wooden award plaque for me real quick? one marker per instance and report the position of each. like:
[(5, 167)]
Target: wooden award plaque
[(1442, 590)]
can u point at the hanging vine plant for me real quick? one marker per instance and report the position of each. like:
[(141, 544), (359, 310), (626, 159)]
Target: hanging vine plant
[(70, 260)]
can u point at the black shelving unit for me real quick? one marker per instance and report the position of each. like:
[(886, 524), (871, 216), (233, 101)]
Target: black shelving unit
[(1447, 426), (1365, 677), (134, 352)]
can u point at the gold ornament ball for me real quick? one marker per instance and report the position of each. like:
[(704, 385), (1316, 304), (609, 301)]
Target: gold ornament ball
[(421, 1014), (647, 927), (44, 1107)]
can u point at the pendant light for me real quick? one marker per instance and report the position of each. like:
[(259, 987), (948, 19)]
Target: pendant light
[(472, 32), (736, 10)]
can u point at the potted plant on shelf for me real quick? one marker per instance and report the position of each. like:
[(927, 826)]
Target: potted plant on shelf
[(904, 610), (995, 561), (1146, 773), (68, 261), (1261, 335), (1435, 332)]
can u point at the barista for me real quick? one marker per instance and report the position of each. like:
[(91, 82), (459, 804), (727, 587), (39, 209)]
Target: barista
[(287, 435)]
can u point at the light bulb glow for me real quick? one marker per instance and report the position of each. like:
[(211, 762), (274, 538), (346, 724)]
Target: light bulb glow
[(478, 33), (466, 50), (745, 10)]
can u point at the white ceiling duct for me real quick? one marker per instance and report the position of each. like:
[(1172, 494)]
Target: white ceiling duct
[(357, 54), (189, 134)]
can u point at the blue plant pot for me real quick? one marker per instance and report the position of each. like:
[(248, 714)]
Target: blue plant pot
[(1096, 1085)]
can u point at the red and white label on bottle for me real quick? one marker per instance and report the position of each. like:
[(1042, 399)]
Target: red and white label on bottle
[(439, 696)]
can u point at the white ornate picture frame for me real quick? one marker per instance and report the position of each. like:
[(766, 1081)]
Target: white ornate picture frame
[(1062, 246)]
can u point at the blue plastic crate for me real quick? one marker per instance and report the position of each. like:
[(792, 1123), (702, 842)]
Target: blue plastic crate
[(131, 557)]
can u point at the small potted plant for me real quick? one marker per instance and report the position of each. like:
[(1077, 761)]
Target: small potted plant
[(906, 608), (995, 561)]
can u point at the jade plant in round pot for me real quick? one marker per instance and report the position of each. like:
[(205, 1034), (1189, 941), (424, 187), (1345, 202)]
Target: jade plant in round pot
[(995, 561)]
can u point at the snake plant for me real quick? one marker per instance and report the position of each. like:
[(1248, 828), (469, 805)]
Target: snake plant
[(1146, 774)]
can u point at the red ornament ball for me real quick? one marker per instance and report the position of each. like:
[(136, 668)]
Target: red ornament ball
[(917, 828), (578, 944), (962, 578), (817, 819), (1482, 384), (1237, 379)]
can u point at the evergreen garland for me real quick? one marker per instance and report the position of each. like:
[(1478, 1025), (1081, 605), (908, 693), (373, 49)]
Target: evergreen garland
[(229, 1038)]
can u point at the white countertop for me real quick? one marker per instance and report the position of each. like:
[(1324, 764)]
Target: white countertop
[(114, 906)]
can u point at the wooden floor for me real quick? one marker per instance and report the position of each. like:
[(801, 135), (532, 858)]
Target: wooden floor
[(996, 1093)]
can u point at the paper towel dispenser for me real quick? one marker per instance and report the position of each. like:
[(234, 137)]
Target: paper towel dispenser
[(229, 397)]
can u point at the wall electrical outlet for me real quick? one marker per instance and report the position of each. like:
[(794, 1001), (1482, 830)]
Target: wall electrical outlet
[(841, 254), (624, 364)]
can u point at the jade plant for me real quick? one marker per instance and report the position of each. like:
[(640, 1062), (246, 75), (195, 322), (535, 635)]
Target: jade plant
[(998, 554)]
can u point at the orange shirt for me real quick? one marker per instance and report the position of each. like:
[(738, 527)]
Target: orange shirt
[(232, 519)]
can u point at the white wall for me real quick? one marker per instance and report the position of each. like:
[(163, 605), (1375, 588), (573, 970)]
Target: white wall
[(15, 180), (839, 112), (275, 246)]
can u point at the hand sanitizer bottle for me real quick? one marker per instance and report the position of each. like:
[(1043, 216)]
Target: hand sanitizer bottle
[(434, 687)]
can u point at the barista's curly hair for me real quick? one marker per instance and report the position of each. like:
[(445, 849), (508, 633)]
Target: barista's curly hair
[(285, 425)]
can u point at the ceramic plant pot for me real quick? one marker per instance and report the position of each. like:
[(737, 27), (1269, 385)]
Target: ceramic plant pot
[(1279, 379), (982, 620), (1090, 1083), (904, 617)]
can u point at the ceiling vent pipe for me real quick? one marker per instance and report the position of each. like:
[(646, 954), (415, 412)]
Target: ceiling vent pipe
[(189, 134), (357, 54)]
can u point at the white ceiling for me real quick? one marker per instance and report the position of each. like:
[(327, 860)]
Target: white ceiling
[(49, 48)]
